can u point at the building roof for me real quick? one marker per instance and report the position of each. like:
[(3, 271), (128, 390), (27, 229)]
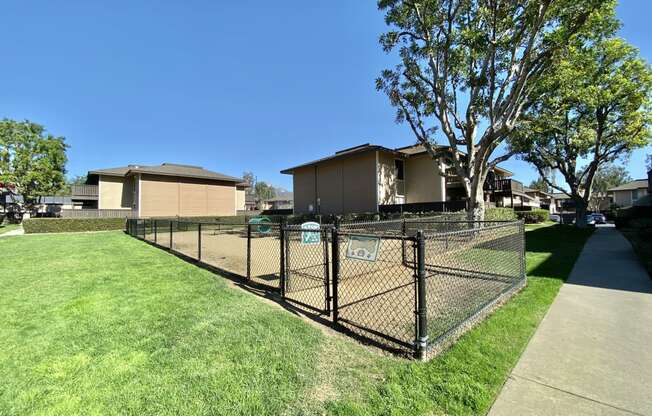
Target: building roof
[(528, 190), (341, 154), (167, 169), (636, 184), (280, 199), (405, 151), (560, 195)]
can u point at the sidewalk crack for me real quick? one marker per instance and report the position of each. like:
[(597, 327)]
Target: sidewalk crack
[(516, 376)]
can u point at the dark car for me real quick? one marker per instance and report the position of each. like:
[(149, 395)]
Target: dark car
[(596, 218)]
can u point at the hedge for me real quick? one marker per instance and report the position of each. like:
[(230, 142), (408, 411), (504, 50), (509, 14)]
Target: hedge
[(534, 216), (68, 225), (499, 214)]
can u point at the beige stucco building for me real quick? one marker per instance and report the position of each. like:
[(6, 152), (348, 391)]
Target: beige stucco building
[(166, 190), (629, 193), (370, 178)]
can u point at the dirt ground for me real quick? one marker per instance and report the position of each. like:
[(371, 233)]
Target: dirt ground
[(376, 299), (227, 250)]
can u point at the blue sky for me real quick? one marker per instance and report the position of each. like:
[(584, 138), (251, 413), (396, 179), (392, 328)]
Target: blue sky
[(231, 86)]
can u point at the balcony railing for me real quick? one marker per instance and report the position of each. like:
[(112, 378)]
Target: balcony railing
[(84, 190), (98, 213), (503, 185)]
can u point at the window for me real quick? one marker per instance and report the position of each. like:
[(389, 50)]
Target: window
[(400, 177), (400, 174), (634, 194)]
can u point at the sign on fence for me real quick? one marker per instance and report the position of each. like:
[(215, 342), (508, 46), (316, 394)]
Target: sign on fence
[(262, 224), (361, 247), (312, 234)]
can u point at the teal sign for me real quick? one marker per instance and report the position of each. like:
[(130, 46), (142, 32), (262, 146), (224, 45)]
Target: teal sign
[(310, 233), (261, 224), (361, 247)]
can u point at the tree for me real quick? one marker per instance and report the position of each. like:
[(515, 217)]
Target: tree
[(607, 176), (594, 109), (264, 191), (468, 68), (67, 188), (648, 162), (540, 184), (250, 179), (32, 160)]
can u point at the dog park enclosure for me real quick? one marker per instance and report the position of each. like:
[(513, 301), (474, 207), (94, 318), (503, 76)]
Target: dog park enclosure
[(411, 285)]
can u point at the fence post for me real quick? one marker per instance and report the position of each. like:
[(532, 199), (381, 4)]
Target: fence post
[(422, 327), (335, 250), (327, 269), (155, 230), (248, 251), (170, 234), (281, 233), (521, 230), (199, 241), (403, 232)]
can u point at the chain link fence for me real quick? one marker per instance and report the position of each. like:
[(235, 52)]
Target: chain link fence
[(411, 286), (307, 270)]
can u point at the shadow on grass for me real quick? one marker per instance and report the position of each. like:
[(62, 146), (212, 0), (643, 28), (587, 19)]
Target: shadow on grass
[(552, 250), (273, 294)]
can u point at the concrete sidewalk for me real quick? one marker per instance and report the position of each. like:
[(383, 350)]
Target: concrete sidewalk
[(17, 231), (592, 353)]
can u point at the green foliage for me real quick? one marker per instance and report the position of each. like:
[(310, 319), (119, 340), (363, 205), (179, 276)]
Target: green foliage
[(467, 69), (124, 328), (31, 159), (500, 214), (105, 324), (540, 184), (594, 107), (263, 191), (607, 176), (535, 216), (67, 225), (67, 188), (636, 224)]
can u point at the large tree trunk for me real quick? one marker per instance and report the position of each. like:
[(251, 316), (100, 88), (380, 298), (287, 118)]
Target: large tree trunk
[(475, 206), (580, 213)]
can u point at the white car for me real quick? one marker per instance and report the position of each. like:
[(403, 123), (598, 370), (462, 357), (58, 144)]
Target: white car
[(555, 217)]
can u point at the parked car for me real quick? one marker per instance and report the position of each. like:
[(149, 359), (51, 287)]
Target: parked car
[(555, 217), (597, 218)]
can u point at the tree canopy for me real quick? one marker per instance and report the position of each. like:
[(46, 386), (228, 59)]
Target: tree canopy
[(31, 160), (607, 176), (540, 184), (264, 191), (468, 68), (591, 111)]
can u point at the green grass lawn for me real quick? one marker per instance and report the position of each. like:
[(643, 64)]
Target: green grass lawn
[(8, 227), (105, 324)]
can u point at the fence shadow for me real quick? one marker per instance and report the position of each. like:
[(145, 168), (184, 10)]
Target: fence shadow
[(409, 287)]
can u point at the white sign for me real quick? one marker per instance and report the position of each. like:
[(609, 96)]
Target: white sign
[(312, 233), (361, 247)]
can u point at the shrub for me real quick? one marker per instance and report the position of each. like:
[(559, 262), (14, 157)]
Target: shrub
[(534, 216), (67, 225), (499, 214)]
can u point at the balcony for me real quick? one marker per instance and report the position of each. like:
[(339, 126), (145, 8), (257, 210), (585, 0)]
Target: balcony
[(84, 191), (504, 185)]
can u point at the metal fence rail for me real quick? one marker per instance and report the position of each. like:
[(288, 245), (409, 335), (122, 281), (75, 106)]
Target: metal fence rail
[(408, 285)]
